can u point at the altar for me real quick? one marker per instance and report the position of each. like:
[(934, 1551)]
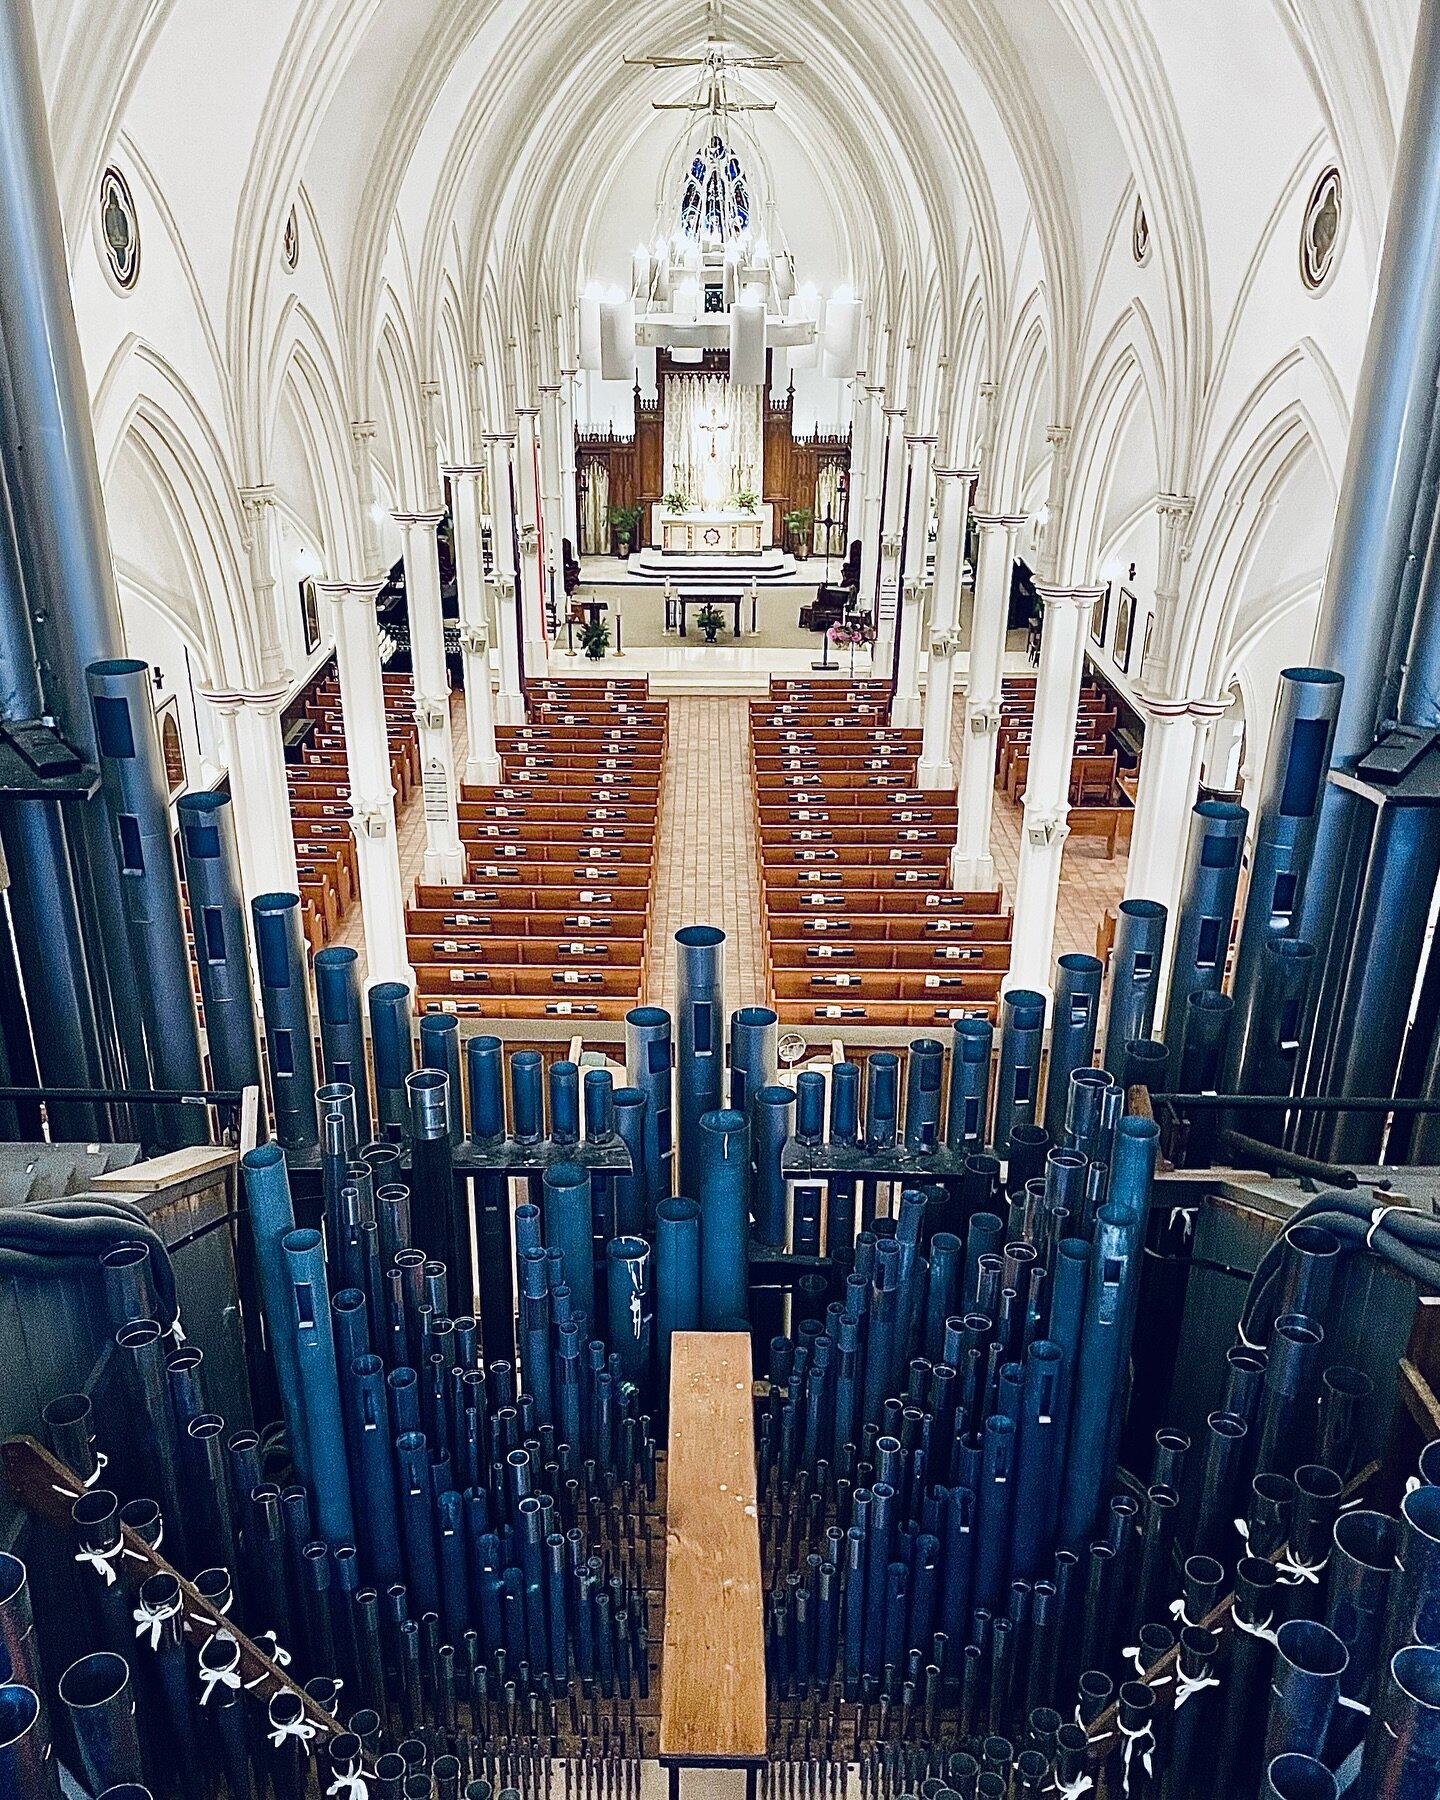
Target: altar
[(722, 531)]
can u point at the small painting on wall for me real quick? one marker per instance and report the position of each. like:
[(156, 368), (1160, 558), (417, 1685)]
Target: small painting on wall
[(310, 614), (1124, 630), (1100, 616)]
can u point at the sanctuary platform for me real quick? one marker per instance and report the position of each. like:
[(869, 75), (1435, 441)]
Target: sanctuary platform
[(700, 568)]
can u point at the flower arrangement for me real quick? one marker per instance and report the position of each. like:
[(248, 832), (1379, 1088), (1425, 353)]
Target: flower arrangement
[(709, 619), (852, 634), (676, 501), (746, 500), (595, 638)]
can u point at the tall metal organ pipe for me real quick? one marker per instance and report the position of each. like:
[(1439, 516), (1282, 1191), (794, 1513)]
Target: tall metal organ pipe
[(217, 920), (1134, 977), (1207, 910)]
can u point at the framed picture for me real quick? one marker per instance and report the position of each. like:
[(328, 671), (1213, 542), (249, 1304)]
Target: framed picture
[(1124, 629), (172, 746), (1100, 617), (1145, 646), (310, 613)]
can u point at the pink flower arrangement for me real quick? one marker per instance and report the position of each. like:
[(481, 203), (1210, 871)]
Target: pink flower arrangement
[(852, 634)]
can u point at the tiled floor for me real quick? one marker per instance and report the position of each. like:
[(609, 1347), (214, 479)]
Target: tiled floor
[(705, 869)]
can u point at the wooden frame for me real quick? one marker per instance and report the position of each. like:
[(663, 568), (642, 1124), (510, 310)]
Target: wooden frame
[(1124, 630), (1100, 617)]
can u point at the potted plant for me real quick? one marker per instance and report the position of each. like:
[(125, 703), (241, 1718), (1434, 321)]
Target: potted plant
[(676, 501), (747, 501), (709, 619), (624, 522), (797, 524), (595, 638)]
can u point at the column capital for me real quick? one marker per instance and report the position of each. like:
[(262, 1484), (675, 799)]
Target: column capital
[(569, 374), (527, 412), (1078, 597), (1166, 709), (262, 700), (1175, 508), (261, 494), (362, 430), (874, 390), (894, 412), (426, 520), (998, 521), (986, 390), (499, 437), (1057, 436), (549, 387), (366, 592), (916, 440), (971, 475), (457, 471)]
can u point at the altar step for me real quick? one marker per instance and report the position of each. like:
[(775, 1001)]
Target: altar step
[(691, 571)]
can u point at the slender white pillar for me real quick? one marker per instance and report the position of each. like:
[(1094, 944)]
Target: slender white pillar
[(972, 866), (905, 705), (859, 445), (1175, 512), (1047, 550), (259, 786), (362, 436), (444, 856), (552, 515), (1047, 784), (510, 704), (952, 500), (892, 516), (569, 498), (1169, 779), (482, 766), (873, 466), (528, 514), (372, 789), (259, 507)]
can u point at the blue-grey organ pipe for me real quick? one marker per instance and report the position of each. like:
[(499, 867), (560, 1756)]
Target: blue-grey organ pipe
[(1073, 1021), (137, 801), (392, 1050), (1207, 910), (770, 1114), (882, 1100), (1271, 1060), (440, 1049), (1208, 1021), (754, 1061), (342, 1025), (485, 1079), (845, 1103), (599, 1106), (629, 1305), (308, 1319), (967, 1114), (27, 1768), (650, 1066), (1287, 817), (724, 1224), (924, 1078), (369, 1420), (809, 1107), (1386, 501), (569, 1228), (1022, 1036), (527, 1102), (700, 1029), (438, 1221), (222, 946), (285, 1005), (631, 1108), (1042, 1436), (1134, 977), (1401, 1757), (677, 1272), (272, 1218), (564, 1088)]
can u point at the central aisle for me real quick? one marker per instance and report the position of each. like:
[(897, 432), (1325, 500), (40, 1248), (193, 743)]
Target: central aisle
[(705, 855)]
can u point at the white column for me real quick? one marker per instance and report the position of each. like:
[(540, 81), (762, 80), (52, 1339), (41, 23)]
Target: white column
[(859, 445), (1175, 511), (552, 518), (510, 704), (1169, 780), (372, 790), (873, 466), (569, 502), (259, 505), (905, 706), (892, 515), (1047, 784), (482, 767), (259, 787), (444, 857), (362, 436), (527, 507), (972, 866), (952, 500), (1047, 550)]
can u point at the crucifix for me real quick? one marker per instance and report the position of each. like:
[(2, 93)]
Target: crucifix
[(713, 425), (712, 488)]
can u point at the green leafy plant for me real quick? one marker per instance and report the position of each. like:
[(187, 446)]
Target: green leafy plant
[(676, 501), (747, 500), (709, 619), (595, 638), (797, 523), (624, 522)]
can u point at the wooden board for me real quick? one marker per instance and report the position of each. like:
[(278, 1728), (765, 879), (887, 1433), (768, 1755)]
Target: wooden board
[(712, 1696)]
